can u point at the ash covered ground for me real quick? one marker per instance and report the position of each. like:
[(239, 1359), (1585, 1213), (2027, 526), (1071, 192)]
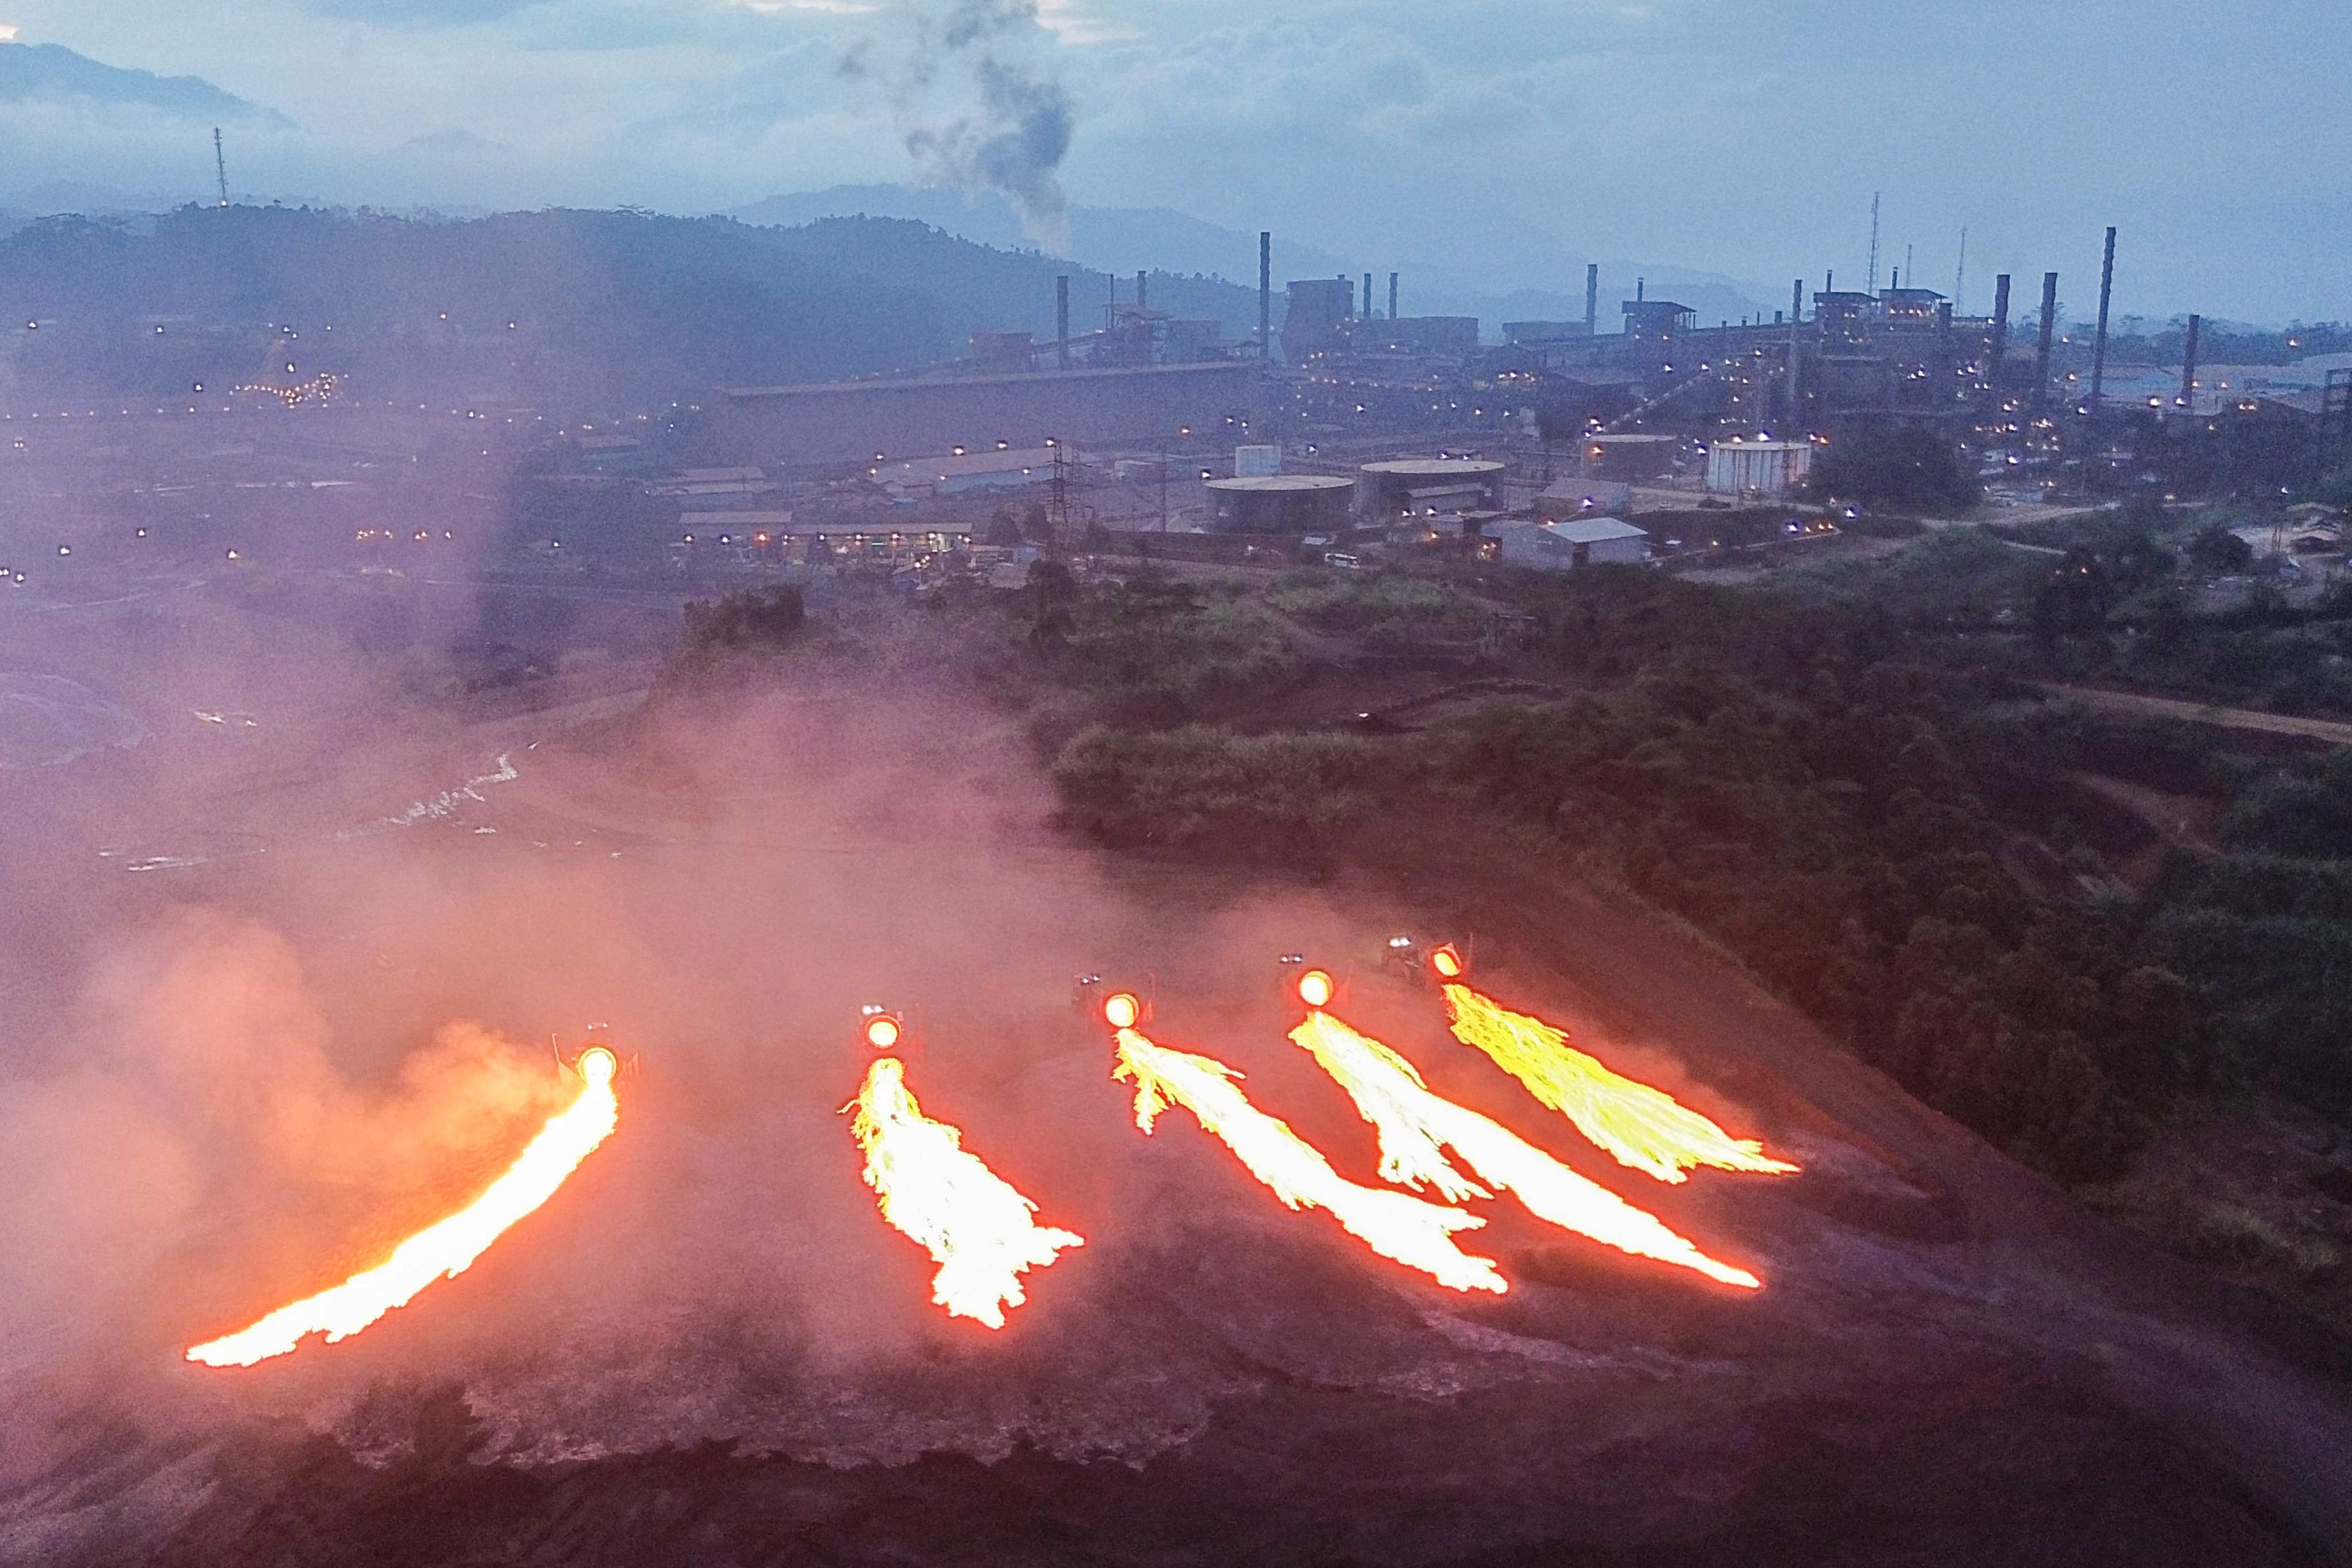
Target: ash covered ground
[(279, 995)]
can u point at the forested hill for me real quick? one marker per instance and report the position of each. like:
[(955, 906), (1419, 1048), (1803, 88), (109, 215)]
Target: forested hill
[(620, 305)]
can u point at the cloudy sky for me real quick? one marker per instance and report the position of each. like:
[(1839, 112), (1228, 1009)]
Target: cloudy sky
[(1515, 140)]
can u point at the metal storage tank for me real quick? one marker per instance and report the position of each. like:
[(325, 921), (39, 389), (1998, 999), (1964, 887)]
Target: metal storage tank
[(1760, 467), (1401, 487), (1280, 504)]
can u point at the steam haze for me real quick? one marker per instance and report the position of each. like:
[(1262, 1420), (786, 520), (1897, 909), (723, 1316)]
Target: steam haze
[(1719, 138)]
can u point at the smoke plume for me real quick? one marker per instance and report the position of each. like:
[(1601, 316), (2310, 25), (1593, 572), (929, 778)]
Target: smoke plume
[(977, 110)]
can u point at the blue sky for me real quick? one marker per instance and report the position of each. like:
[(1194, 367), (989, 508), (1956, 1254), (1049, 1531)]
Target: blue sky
[(1510, 140)]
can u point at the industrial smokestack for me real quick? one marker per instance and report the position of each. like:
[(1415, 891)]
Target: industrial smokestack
[(1062, 321), (2187, 402), (1266, 294), (1368, 296), (1591, 298), (2099, 343), (1997, 350), (2041, 353), (1641, 287), (1796, 413), (1392, 280), (1142, 281), (1947, 358)]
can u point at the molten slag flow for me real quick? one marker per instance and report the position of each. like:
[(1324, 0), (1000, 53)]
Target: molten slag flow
[(1416, 1233), (448, 1248), (1416, 1124), (976, 1228), (1639, 1126)]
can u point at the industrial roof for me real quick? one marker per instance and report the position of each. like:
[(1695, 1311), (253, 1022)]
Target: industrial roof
[(929, 469), (1577, 531), (1260, 483), (1434, 468)]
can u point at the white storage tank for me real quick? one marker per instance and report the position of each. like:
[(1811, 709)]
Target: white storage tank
[(1758, 467)]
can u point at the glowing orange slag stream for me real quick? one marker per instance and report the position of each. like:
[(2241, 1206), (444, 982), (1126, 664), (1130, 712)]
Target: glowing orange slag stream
[(1636, 1125), (972, 1221), (1416, 1233), (1415, 1125), (448, 1248)]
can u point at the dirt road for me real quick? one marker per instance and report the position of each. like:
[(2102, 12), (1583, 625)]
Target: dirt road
[(2335, 732)]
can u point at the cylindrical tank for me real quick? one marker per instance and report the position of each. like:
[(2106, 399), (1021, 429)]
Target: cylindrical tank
[(1411, 487), (1280, 504), (1762, 468)]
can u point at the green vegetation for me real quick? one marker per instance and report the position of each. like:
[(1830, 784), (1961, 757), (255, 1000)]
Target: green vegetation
[(768, 617), (1277, 799), (1899, 467)]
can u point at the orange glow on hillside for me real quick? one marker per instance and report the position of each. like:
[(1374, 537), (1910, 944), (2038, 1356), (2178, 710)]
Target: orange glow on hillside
[(448, 1248), (1413, 1232), (1415, 1125), (1636, 1125), (971, 1221)]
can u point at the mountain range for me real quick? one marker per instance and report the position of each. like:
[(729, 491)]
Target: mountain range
[(31, 72), (1525, 275)]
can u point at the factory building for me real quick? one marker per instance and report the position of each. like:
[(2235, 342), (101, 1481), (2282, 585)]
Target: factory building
[(1564, 546), (998, 351), (1452, 336), (1631, 457), (1256, 462), (1735, 466), (1530, 334), (1566, 500), (1317, 313), (1281, 504), (779, 539), (852, 421), (1428, 486), (960, 473)]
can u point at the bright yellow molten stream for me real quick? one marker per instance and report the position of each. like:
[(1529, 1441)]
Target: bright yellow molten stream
[(1416, 1233), (1636, 1125), (976, 1228), (448, 1248), (1415, 1125)]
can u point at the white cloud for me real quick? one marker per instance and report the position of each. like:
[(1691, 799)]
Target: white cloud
[(8, 32)]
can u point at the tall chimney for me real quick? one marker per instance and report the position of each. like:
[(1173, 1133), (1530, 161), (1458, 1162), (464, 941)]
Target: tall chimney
[(1062, 321), (1997, 350), (1368, 296), (2187, 402), (1591, 298), (1796, 353), (1392, 277), (1947, 358), (1142, 281), (1266, 294), (1640, 289), (2099, 343), (2041, 353)]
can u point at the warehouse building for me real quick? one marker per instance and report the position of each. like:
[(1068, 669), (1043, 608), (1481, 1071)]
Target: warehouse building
[(1565, 546), (858, 421), (1428, 486)]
